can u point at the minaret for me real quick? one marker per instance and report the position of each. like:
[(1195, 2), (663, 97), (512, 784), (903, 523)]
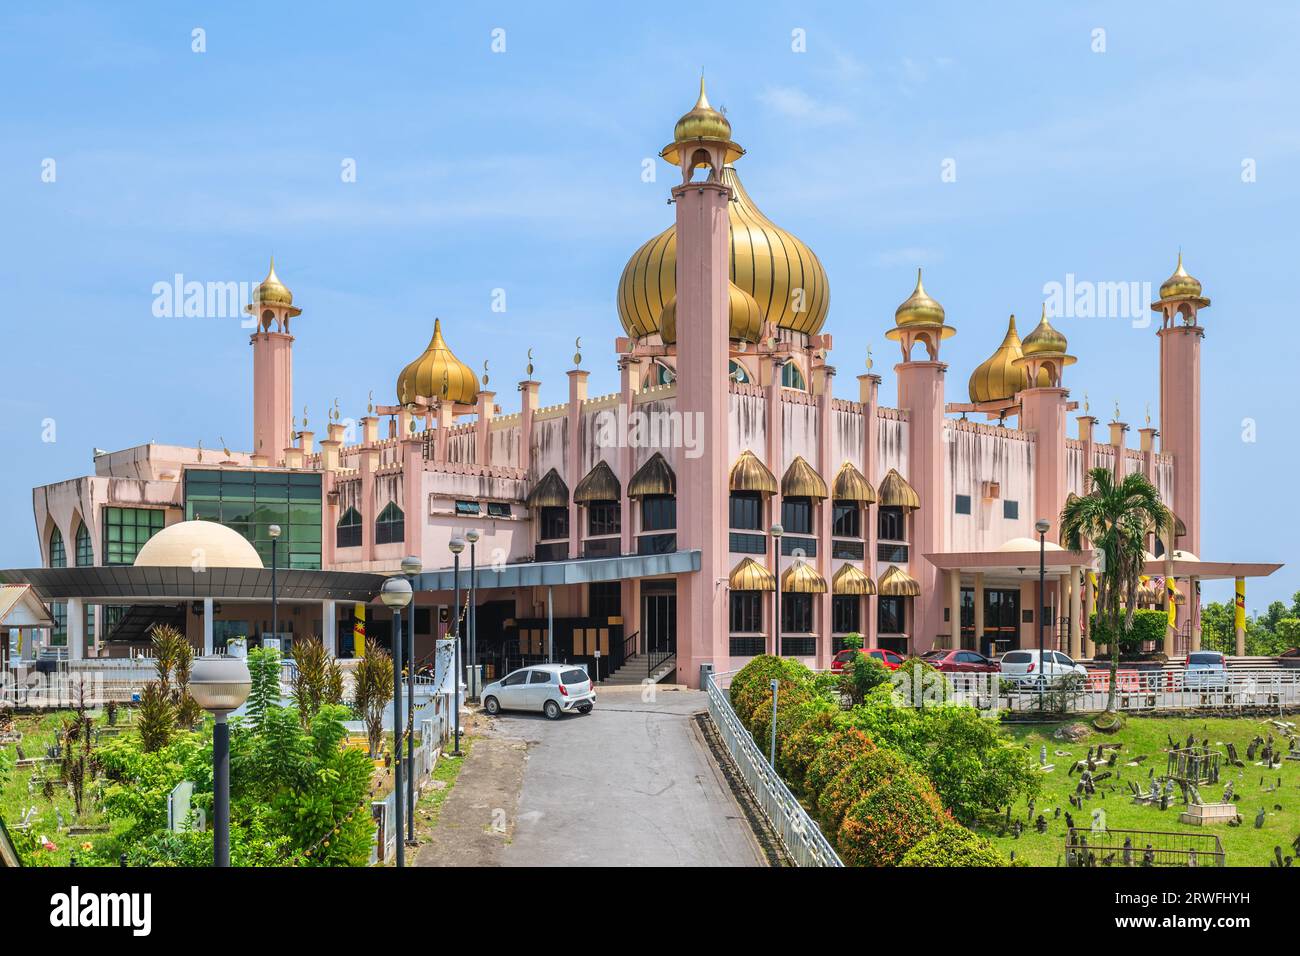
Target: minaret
[(1043, 415), (1180, 396), (702, 140), (272, 368), (920, 319)]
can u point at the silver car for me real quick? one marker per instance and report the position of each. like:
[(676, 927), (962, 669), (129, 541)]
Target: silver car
[(553, 689), (1206, 670)]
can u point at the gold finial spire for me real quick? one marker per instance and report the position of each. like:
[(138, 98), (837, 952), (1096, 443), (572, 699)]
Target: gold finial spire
[(1181, 283), (1117, 409), (1148, 414), (530, 362), (870, 361), (335, 413), (1086, 407), (304, 418), (485, 373), (370, 402), (919, 308), (577, 356)]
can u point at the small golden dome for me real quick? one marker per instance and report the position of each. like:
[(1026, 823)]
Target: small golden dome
[(1180, 283), (784, 277), (999, 377), (1044, 338), (745, 319), (437, 373), (919, 308), (702, 122), (272, 290)]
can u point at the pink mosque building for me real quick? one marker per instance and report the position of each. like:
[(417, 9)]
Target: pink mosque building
[(638, 524)]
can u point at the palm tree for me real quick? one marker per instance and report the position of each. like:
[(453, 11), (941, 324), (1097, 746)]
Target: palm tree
[(1116, 517)]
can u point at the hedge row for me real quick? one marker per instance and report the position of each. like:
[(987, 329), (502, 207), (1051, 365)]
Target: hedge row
[(869, 801)]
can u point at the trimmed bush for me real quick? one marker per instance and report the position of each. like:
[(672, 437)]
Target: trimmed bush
[(789, 708), (1148, 625), (953, 846), (834, 755), (860, 775), (752, 683), (796, 751), (889, 820)]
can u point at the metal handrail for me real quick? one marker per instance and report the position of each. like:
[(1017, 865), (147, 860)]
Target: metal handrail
[(630, 644), (654, 659), (799, 834)]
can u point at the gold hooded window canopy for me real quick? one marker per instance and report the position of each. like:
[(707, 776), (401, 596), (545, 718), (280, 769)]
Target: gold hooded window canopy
[(851, 579), (895, 492), (801, 481), (599, 484), (750, 474), (851, 485), (802, 578), (655, 477), (896, 582), (749, 575), (550, 492)]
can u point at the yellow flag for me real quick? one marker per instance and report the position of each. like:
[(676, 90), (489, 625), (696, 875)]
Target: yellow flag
[(359, 630), (1173, 605)]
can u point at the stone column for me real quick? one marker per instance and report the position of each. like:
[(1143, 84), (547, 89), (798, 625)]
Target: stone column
[(629, 375), (920, 393), (1194, 610), (823, 379), (1239, 616), (1089, 605), (1043, 416), (1171, 630), (954, 610), (413, 505), (1076, 610), (528, 405), (76, 629), (1117, 430), (573, 464), (483, 431), (979, 611), (209, 615), (329, 622), (369, 461), (868, 395)]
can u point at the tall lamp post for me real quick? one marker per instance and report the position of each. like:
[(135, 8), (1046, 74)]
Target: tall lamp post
[(411, 566), (396, 594), (220, 685), (274, 532), (472, 537), (1042, 525), (456, 546), (777, 531)]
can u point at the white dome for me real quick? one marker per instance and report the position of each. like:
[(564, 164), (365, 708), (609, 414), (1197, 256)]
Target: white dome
[(198, 545), (1027, 544)]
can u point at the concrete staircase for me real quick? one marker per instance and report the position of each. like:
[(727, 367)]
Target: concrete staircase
[(633, 671)]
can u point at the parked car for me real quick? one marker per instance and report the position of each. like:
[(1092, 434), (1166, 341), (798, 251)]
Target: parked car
[(553, 689), (1025, 667), (1206, 670), (959, 662), (890, 659)]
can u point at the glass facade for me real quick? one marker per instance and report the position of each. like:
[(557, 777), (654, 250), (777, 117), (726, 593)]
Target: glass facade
[(251, 501), (127, 529), (85, 551)]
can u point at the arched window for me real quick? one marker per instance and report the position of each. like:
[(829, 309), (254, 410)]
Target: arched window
[(791, 377), (85, 550), (391, 526), (58, 554), (658, 374), (349, 529)]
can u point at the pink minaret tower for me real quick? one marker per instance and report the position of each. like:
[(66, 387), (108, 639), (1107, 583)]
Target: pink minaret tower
[(1042, 414), (702, 141), (272, 369), (1180, 396), (920, 320)]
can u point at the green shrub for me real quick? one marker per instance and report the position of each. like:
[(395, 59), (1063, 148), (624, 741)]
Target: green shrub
[(953, 845), (1148, 625), (753, 683), (833, 756), (861, 676), (859, 776), (889, 820), (973, 766), (788, 704), (796, 751)]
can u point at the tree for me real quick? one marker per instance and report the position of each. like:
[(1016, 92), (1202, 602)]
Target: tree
[(861, 676), (264, 683), (1116, 517), (374, 689)]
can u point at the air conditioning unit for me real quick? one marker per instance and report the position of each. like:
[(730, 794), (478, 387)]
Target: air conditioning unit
[(991, 489)]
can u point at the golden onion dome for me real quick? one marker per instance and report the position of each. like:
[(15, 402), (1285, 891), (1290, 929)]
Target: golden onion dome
[(781, 274), (1180, 283), (272, 290), (702, 122), (437, 373), (919, 308), (744, 318), (999, 377), (1044, 339)]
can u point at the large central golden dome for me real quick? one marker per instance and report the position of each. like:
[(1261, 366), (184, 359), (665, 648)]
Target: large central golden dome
[(768, 263)]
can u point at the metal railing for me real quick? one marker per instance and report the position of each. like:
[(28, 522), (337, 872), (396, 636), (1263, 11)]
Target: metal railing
[(801, 837)]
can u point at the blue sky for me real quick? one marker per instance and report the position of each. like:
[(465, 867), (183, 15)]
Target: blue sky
[(522, 171)]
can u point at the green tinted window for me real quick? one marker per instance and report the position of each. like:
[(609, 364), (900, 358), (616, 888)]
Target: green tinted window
[(249, 502), (126, 529)]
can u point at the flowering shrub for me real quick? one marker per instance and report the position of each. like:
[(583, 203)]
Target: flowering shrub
[(835, 754), (859, 776), (889, 820), (953, 846)]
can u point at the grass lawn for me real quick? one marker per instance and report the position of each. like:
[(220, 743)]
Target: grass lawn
[(1244, 845)]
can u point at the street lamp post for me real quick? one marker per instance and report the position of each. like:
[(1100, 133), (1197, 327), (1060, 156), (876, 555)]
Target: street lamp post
[(220, 685), (274, 532), (456, 546), (472, 537), (1041, 526), (777, 531), (396, 594), (411, 566)]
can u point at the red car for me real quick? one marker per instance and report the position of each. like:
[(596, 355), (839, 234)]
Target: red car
[(959, 662), (890, 659)]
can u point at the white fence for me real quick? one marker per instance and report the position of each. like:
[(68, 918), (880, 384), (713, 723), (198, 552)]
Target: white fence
[(433, 733), (802, 838)]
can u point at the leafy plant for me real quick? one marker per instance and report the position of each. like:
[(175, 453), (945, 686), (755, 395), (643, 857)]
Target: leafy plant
[(861, 676), (889, 820), (264, 683), (310, 678), (156, 723), (374, 689), (953, 846)]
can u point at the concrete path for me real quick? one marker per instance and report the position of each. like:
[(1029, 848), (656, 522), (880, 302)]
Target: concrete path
[(631, 784)]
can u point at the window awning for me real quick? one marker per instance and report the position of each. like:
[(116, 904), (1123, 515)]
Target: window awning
[(550, 492), (750, 474), (802, 578), (851, 485), (895, 492), (851, 579), (896, 582), (801, 481), (599, 484), (655, 477), (749, 575)]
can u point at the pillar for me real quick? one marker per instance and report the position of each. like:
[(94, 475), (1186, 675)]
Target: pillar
[(703, 274), (483, 429), (369, 460), (1086, 423), (920, 394), (574, 454), (1239, 616), (444, 413), (1076, 611), (413, 507), (775, 432), (1089, 604), (868, 395), (954, 610), (209, 613), (1117, 430), (1194, 609), (272, 393), (528, 405), (629, 375), (1043, 415), (823, 377), (1180, 422), (76, 629), (369, 430), (329, 623), (1171, 630), (979, 611)]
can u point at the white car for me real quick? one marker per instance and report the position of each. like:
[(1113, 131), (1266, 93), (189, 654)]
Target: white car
[(553, 689), (1029, 669)]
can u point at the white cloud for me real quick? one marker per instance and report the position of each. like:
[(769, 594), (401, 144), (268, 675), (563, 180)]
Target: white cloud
[(793, 103)]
